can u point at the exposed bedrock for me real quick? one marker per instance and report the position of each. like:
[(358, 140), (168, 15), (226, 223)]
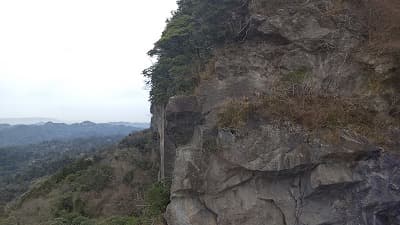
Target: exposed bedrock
[(279, 171)]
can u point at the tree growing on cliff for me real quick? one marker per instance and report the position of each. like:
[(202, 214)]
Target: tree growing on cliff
[(187, 43)]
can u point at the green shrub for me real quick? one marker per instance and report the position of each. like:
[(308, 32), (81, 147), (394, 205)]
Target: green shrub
[(157, 197), (118, 220), (69, 204), (68, 173), (143, 141), (79, 165), (64, 204), (8, 221), (96, 178), (128, 177), (81, 220), (295, 80), (297, 76), (71, 219), (143, 164)]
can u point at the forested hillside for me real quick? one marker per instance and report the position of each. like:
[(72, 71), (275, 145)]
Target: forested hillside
[(22, 165), (30, 134), (29, 153), (115, 187)]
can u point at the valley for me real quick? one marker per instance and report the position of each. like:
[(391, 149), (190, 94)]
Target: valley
[(31, 154)]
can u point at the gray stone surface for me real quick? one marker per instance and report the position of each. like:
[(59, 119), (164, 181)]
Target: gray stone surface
[(274, 173)]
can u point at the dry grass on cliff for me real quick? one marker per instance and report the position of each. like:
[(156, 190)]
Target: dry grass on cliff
[(313, 113), (208, 71), (237, 113), (382, 20)]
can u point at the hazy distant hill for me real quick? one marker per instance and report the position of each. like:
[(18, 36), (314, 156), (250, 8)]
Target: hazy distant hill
[(27, 120), (30, 134), (140, 125), (3, 126)]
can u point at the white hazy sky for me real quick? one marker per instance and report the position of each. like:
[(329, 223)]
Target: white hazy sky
[(78, 60)]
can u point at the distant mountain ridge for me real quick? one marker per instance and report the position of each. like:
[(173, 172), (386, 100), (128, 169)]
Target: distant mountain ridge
[(43, 120), (3, 126), (28, 120), (15, 135), (130, 124)]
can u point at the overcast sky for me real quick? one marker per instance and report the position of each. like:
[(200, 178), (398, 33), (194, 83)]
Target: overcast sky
[(77, 60)]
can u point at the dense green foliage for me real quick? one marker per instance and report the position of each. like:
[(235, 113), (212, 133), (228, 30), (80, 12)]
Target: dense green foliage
[(187, 43), (72, 172), (158, 198), (96, 178), (120, 220), (69, 209), (21, 165), (113, 187), (143, 141)]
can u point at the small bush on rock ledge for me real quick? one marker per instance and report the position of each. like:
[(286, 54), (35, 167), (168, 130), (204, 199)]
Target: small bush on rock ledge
[(236, 114)]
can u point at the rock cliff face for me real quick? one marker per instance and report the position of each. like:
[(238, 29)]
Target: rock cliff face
[(312, 136)]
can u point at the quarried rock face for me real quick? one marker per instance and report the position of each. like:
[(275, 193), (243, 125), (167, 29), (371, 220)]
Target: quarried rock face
[(254, 181), (274, 168)]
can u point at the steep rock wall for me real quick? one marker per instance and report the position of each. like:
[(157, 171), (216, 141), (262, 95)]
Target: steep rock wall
[(279, 168)]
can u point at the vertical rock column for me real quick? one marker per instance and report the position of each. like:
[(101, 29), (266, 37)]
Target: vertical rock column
[(182, 115), (158, 126)]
